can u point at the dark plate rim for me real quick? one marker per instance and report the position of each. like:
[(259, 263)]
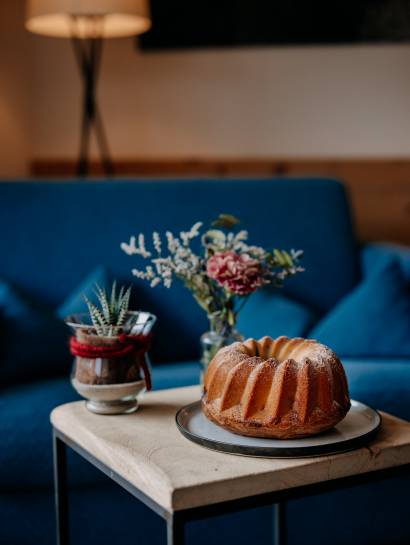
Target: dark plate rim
[(278, 452)]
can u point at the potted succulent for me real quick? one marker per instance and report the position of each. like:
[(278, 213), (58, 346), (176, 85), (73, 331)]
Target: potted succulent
[(110, 344)]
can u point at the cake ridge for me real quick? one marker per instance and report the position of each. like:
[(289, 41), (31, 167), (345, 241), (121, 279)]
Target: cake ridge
[(254, 397), (234, 386)]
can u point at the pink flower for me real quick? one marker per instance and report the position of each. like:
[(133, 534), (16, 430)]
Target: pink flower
[(240, 274)]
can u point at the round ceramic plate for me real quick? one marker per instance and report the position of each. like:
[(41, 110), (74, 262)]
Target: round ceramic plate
[(358, 427)]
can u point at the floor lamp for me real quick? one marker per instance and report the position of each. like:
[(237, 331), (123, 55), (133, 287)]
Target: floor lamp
[(87, 23)]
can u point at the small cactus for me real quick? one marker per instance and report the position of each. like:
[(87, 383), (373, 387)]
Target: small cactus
[(109, 316)]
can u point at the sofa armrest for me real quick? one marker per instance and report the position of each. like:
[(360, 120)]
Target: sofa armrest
[(381, 383), (373, 254)]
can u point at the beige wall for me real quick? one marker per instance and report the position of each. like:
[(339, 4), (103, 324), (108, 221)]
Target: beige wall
[(14, 81), (271, 102), (345, 101)]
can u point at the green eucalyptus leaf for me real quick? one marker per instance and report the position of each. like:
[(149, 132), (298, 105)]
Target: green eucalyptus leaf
[(279, 257), (231, 318), (226, 221), (288, 259)]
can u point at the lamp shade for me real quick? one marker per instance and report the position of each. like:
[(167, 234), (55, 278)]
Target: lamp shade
[(116, 18)]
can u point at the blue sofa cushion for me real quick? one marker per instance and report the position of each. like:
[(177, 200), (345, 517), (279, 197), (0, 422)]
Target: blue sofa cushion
[(33, 340), (74, 303), (375, 255), (268, 312), (374, 319), (382, 383)]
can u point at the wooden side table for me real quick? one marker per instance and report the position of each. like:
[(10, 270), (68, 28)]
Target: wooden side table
[(181, 481)]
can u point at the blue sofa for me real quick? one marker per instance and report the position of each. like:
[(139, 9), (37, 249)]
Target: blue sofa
[(54, 234)]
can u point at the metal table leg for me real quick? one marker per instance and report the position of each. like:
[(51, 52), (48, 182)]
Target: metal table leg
[(60, 489), (279, 533), (175, 530)]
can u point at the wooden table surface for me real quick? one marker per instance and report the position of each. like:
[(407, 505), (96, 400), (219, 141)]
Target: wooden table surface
[(147, 450)]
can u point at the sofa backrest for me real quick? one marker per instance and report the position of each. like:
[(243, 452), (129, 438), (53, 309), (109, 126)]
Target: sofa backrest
[(54, 233)]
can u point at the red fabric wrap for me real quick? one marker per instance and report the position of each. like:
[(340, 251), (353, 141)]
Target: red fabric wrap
[(137, 345)]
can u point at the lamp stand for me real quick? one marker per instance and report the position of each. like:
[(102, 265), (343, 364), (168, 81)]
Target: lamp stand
[(88, 55)]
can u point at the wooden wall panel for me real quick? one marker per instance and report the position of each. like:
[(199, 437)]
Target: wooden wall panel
[(379, 189)]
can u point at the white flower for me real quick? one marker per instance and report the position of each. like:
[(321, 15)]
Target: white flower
[(138, 274), (241, 236), (172, 241), (149, 273), (157, 242), (133, 249), (187, 236), (256, 251), (141, 247), (296, 254), (184, 237), (194, 231), (130, 248), (155, 282)]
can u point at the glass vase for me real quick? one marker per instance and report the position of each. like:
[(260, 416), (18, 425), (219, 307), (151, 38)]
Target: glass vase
[(217, 337), (111, 385)]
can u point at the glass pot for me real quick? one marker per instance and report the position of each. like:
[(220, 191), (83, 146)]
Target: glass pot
[(112, 383)]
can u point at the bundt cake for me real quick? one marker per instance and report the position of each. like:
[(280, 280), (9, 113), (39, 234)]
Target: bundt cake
[(283, 388)]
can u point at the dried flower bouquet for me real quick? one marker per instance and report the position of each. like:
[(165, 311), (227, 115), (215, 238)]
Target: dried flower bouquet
[(221, 272)]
